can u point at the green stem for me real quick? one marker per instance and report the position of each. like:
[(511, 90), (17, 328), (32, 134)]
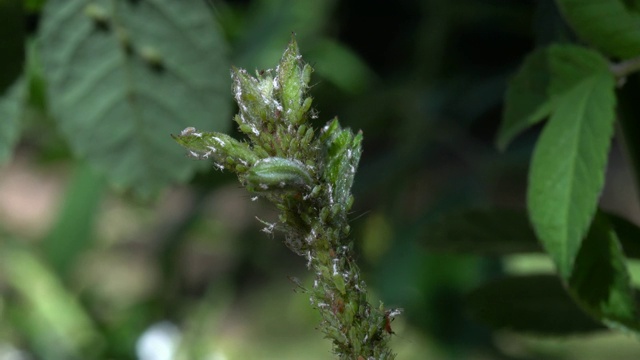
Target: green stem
[(308, 175), (358, 330)]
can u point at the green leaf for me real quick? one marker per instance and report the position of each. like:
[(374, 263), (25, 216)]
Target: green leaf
[(567, 169), (612, 26), (58, 322), (341, 66), (34, 5), (123, 75), (545, 74), (527, 99), (11, 111), (600, 281), (531, 304), (486, 232), (37, 99), (72, 233)]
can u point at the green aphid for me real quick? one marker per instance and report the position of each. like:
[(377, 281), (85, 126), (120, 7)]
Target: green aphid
[(275, 174)]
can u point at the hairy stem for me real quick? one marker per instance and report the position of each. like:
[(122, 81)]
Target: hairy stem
[(308, 175)]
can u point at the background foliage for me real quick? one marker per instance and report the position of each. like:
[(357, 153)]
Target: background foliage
[(110, 236)]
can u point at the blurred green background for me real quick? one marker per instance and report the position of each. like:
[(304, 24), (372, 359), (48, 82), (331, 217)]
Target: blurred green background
[(89, 270)]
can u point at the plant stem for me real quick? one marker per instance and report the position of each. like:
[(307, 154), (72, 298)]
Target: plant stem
[(625, 68), (308, 175)]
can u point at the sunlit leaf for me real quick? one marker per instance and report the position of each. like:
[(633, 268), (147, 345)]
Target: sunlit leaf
[(567, 169), (545, 75), (123, 75)]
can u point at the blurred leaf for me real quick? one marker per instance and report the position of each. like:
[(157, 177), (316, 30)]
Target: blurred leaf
[(72, 232), (37, 85), (60, 327), (549, 26), (527, 99), (203, 320), (338, 64), (567, 168), (13, 34), (545, 75), (34, 5), (610, 25), (122, 76), (504, 232), (11, 110), (268, 22), (485, 232), (535, 304), (600, 280)]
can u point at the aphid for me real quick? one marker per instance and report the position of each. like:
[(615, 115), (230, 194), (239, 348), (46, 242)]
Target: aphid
[(188, 131), (306, 105), (276, 174), (387, 323), (306, 73), (389, 316), (337, 306)]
